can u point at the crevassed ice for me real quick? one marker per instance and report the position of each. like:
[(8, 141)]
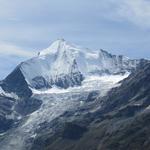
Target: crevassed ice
[(55, 102)]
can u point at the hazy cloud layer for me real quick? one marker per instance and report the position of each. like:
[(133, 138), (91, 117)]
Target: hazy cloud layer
[(13, 50), (134, 11)]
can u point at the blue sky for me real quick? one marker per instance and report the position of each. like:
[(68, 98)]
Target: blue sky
[(119, 26)]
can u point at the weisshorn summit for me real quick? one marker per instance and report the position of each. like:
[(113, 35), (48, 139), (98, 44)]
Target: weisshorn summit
[(66, 95), (65, 65)]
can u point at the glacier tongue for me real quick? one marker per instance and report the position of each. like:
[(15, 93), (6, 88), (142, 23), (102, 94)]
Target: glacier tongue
[(56, 102), (66, 65)]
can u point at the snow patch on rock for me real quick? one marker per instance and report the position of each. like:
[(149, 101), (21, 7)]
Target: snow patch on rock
[(11, 95)]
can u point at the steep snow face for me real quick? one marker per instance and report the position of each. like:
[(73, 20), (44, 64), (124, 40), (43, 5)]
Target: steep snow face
[(64, 64)]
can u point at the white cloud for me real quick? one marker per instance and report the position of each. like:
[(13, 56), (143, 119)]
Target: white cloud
[(13, 50), (134, 11)]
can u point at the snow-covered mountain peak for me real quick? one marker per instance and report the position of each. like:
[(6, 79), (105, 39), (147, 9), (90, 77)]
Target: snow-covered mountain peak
[(64, 64), (57, 46)]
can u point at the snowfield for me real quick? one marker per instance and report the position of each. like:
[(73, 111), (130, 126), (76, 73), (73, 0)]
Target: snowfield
[(91, 83)]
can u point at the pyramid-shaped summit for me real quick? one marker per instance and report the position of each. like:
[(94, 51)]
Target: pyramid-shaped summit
[(64, 64)]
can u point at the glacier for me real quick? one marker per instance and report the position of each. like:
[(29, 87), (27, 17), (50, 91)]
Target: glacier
[(55, 102)]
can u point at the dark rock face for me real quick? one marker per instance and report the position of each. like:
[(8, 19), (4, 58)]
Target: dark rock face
[(62, 81), (92, 96), (15, 82), (133, 89), (73, 131), (27, 106), (40, 82), (66, 81), (5, 124), (6, 105), (130, 134), (11, 109)]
